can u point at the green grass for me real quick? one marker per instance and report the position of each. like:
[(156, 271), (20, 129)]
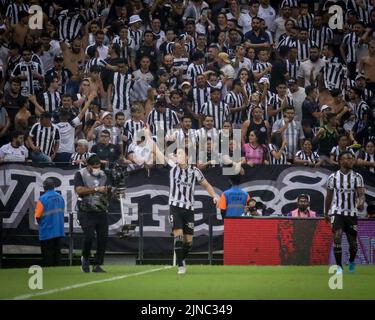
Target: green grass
[(200, 282)]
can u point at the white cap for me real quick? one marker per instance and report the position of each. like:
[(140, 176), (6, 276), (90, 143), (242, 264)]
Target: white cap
[(324, 106), (264, 80), (106, 114), (134, 18), (186, 83)]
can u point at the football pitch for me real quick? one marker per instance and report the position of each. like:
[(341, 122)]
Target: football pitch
[(150, 282)]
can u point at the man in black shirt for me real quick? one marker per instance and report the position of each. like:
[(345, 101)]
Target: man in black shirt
[(13, 100), (310, 108), (148, 49), (107, 152), (279, 72)]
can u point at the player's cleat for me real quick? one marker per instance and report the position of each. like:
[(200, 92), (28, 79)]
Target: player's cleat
[(181, 270), (339, 270), (351, 267), (85, 265), (98, 269)]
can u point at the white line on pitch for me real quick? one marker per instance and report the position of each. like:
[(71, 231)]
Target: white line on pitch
[(85, 284)]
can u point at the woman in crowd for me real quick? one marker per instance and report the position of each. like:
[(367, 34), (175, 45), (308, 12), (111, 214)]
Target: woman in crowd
[(254, 152)]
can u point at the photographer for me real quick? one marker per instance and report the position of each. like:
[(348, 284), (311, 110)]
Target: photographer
[(91, 186)]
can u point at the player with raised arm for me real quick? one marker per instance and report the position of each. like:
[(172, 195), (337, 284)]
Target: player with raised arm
[(182, 179)]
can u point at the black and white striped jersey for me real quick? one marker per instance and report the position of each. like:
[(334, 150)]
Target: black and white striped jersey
[(136, 37), (344, 187), (334, 73), (50, 101), (13, 11), (363, 13), (37, 59), (336, 152), (306, 21), (80, 156), (193, 71), (284, 155), (303, 49), (220, 112), (275, 103), (360, 109), (197, 97), (293, 68), (122, 85), (125, 48), (313, 157), (181, 63), (261, 66), (182, 185), (162, 122), (371, 158), (95, 62), (131, 128), (235, 100), (91, 14), (167, 47), (351, 40), (366, 93), (45, 137), (321, 36), (69, 25), (30, 85)]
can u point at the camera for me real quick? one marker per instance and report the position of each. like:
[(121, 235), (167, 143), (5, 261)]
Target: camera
[(255, 208), (117, 177)]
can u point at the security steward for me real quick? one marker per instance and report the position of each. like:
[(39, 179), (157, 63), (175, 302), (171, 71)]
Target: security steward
[(91, 186), (49, 213), (233, 202)]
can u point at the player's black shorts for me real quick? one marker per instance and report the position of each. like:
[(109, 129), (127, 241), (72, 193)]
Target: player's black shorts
[(346, 223), (182, 218)]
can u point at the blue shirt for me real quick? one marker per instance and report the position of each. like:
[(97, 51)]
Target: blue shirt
[(254, 39), (234, 201), (50, 209)]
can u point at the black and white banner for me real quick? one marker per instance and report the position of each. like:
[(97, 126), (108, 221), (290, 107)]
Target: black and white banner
[(277, 187)]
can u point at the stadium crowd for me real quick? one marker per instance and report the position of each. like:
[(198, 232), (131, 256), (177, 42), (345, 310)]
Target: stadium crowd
[(299, 89)]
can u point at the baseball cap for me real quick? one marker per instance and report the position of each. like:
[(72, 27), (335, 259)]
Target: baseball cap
[(186, 83), (324, 107), (264, 80), (292, 81), (106, 113), (359, 76)]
